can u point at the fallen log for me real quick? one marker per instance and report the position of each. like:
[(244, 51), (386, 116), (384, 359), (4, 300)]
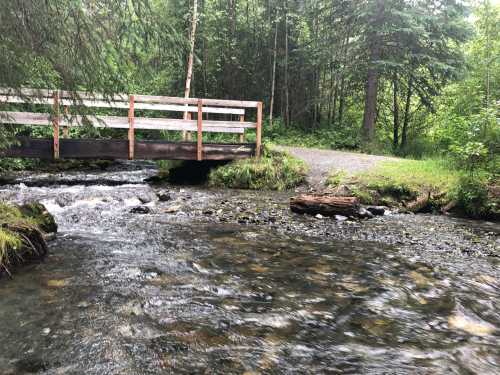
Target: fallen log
[(325, 205), (421, 204)]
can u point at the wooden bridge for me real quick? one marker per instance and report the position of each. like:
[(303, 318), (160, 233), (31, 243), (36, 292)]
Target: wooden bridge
[(64, 110)]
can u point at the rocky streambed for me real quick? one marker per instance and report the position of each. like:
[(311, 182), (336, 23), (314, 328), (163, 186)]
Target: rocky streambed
[(172, 279)]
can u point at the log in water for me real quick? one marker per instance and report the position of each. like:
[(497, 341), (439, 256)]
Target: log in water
[(325, 205)]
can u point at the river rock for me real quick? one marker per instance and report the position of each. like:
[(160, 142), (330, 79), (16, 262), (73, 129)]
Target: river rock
[(164, 196), (377, 210), (172, 209), (40, 215), (145, 198), (364, 214), (141, 210)]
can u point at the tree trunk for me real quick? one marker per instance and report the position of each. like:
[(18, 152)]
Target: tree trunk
[(406, 121), (273, 79), (189, 75), (287, 109), (371, 87), (325, 205), (342, 100), (370, 103), (395, 113)]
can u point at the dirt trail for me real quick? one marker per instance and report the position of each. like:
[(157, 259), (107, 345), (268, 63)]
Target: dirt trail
[(322, 162)]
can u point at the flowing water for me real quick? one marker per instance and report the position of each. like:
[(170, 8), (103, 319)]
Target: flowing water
[(161, 293)]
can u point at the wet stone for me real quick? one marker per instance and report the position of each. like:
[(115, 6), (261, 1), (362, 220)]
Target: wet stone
[(377, 210), (141, 210), (164, 196)]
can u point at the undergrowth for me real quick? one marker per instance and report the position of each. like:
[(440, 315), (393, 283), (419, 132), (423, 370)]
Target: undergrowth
[(398, 182), (275, 170)]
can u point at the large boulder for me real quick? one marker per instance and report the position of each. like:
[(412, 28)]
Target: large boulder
[(42, 217)]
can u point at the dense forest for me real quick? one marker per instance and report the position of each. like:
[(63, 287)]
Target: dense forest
[(405, 77)]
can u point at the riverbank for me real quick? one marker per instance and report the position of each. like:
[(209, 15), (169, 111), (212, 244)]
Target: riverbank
[(23, 231)]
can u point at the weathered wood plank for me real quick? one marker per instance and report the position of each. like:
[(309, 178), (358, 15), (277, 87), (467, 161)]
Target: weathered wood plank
[(258, 138), (199, 139), (120, 105), (118, 149), (194, 101), (131, 131), (43, 93), (143, 123), (55, 123)]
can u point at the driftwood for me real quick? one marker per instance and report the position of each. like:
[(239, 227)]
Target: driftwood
[(325, 205)]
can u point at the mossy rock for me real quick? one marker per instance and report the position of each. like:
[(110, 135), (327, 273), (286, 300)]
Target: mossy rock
[(39, 214)]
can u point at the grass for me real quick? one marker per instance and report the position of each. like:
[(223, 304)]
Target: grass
[(399, 182), (394, 182), (410, 178), (15, 236), (275, 170)]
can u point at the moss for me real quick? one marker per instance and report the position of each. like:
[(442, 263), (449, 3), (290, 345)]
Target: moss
[(20, 237), (40, 216), (275, 170)]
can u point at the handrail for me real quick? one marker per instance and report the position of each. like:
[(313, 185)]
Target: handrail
[(56, 99)]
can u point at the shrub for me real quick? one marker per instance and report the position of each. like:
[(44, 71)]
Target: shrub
[(275, 170), (471, 194)]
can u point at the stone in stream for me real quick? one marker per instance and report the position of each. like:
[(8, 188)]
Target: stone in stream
[(164, 196), (377, 210), (141, 210), (364, 214), (40, 215), (145, 198)]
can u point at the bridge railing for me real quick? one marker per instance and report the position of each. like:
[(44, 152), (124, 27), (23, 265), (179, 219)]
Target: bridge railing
[(61, 101)]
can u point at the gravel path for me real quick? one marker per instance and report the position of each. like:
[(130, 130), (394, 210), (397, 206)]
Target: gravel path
[(322, 162)]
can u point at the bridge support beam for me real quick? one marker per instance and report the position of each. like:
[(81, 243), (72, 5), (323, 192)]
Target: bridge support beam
[(119, 149), (131, 130)]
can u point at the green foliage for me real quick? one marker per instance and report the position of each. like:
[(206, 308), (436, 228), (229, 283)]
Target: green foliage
[(470, 156), (335, 178), (471, 194), (320, 137), (275, 170)]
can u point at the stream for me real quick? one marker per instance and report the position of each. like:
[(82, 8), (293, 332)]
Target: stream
[(229, 282)]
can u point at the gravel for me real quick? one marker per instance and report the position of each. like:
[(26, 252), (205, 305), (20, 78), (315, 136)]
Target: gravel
[(322, 162)]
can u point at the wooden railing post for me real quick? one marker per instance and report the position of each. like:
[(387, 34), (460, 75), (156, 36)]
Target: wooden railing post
[(65, 128), (55, 123), (242, 136), (258, 138), (131, 132), (199, 146)]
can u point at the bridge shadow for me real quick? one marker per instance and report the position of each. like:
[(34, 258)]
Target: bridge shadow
[(188, 172)]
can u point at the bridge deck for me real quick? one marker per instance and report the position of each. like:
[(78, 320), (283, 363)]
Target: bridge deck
[(119, 149)]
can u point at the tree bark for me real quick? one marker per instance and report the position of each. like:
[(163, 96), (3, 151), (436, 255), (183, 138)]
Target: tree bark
[(287, 109), (371, 87), (325, 205), (395, 113), (273, 79), (189, 75), (370, 101), (406, 121)]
